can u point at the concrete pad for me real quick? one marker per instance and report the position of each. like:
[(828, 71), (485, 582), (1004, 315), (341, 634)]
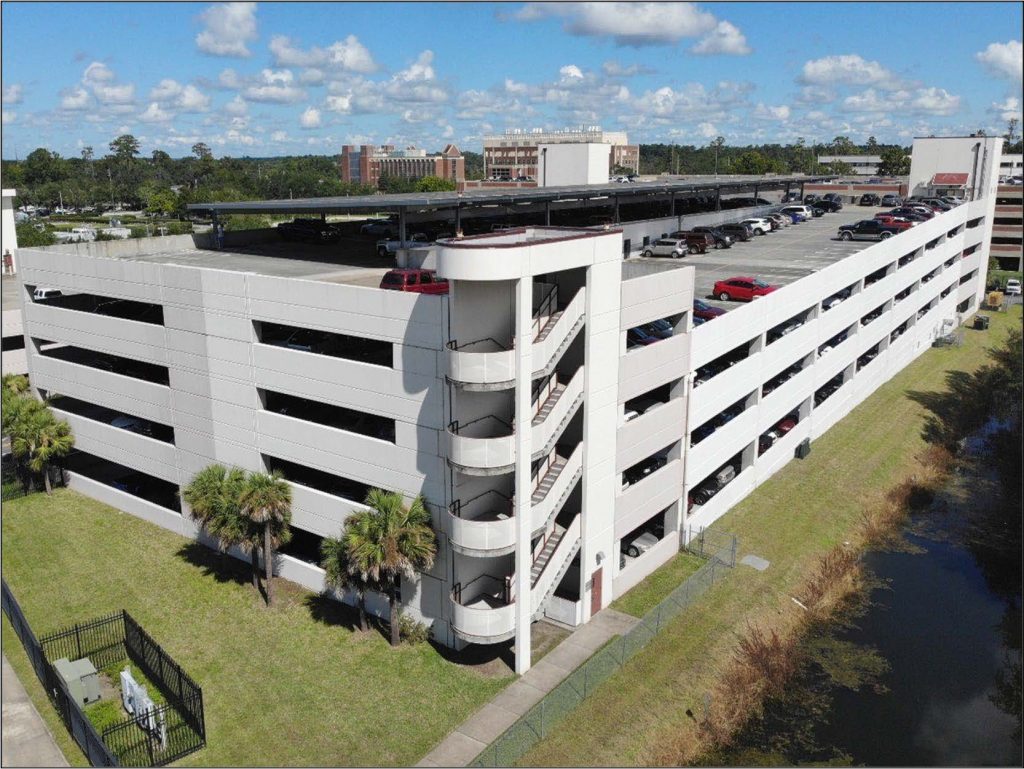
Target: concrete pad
[(568, 657), (755, 561), (455, 750), (544, 676), (488, 723), (518, 698)]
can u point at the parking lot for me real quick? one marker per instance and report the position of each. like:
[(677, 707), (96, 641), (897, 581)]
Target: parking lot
[(780, 257)]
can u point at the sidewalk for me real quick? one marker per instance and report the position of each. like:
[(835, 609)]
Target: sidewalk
[(25, 740), (487, 724)]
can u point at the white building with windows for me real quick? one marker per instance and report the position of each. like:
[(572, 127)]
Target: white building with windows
[(555, 405)]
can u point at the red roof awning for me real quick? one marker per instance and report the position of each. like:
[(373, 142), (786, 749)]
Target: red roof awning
[(950, 179)]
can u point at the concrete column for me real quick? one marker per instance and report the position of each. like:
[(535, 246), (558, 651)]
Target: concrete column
[(616, 218), (547, 213), (523, 482), (718, 198), (401, 225)]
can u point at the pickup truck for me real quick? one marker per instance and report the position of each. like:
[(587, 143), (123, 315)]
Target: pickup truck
[(413, 281), (390, 247), (868, 229)]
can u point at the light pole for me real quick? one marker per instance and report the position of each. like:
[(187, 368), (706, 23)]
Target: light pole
[(544, 159)]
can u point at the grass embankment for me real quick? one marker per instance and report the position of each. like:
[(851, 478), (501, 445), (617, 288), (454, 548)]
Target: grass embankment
[(653, 590), (639, 716), (296, 684)]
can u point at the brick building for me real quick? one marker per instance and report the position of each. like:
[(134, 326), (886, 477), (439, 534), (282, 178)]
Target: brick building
[(368, 163)]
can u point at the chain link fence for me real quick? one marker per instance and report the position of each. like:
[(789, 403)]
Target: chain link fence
[(719, 550)]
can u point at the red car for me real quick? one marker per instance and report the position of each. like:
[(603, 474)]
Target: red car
[(413, 280), (741, 288), (895, 221)]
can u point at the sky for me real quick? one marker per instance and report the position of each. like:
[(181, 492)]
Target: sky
[(268, 79)]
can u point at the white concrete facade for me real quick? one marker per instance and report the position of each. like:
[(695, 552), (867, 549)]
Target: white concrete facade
[(563, 165), (977, 156)]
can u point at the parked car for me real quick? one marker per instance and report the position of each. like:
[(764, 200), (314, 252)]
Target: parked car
[(899, 222), (791, 197), (938, 204), (1012, 287), (867, 229), (391, 247), (911, 214), (952, 200), (805, 211), (639, 544), (308, 230), (660, 328), (890, 199), (741, 288), (671, 247), (835, 196), (637, 473), (379, 227), (132, 424), (869, 199), (721, 238), (737, 231), (413, 280), (698, 242), (704, 311), (808, 199), (42, 294), (713, 485), (758, 225), (827, 206), (639, 337)]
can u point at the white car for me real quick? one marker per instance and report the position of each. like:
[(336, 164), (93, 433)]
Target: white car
[(805, 211), (640, 545), (758, 225), (1012, 287)]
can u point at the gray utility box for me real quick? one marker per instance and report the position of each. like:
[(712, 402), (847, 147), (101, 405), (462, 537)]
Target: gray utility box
[(81, 679), (803, 448)]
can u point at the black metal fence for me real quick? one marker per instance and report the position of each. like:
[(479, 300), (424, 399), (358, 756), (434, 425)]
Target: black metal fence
[(68, 709), (167, 733)]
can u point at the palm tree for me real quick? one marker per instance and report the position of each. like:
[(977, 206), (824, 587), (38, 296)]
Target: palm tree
[(214, 497), (39, 438), (266, 501), (340, 575), (388, 541)]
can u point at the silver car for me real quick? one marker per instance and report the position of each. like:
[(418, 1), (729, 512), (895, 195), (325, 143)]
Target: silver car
[(640, 545), (667, 247)]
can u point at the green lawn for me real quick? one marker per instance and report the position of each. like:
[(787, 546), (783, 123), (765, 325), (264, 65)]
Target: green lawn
[(293, 685), (796, 516), (653, 590)]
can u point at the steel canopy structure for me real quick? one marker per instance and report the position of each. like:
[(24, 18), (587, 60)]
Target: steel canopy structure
[(405, 204)]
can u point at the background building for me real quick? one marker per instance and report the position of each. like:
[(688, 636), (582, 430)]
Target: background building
[(515, 154), (369, 163), (863, 165), (1011, 165), (565, 164)]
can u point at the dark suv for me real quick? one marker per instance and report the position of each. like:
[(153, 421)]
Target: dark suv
[(722, 239), (869, 199), (737, 231)]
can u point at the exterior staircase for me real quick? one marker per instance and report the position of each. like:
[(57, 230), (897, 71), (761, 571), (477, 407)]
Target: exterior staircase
[(548, 405), (549, 326), (542, 488), (546, 551)]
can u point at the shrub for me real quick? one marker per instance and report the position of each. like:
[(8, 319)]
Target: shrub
[(411, 631)]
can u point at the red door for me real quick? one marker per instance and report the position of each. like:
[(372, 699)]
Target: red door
[(595, 592)]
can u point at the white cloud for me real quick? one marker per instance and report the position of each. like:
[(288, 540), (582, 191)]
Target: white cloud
[(765, 112), (935, 101), (814, 94), (615, 69), (310, 118), (312, 76), (511, 86), (725, 39), (279, 136), (351, 55), (155, 114), (275, 87), (100, 78), (571, 72), (97, 72), (287, 55), (75, 99), (186, 98), (634, 24), (1008, 109), (228, 27), (237, 106), (7, 117), (229, 79), (192, 99), (13, 94), (339, 103), (420, 70), (848, 69), (1003, 59), (708, 130)]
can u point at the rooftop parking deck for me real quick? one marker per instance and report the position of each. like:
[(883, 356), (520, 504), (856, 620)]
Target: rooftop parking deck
[(779, 257)]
